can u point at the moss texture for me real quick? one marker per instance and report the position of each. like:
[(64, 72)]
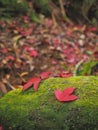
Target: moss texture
[(40, 110)]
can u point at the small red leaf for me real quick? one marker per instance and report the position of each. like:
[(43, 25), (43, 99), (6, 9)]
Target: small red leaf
[(66, 95), (12, 58), (33, 81), (45, 75), (25, 32), (31, 41), (65, 74), (4, 50), (33, 53), (26, 48), (92, 29), (71, 59), (54, 62)]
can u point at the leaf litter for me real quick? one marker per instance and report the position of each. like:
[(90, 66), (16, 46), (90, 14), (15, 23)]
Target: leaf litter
[(30, 50)]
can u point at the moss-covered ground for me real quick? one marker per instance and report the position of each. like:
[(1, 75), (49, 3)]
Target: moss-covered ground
[(30, 110)]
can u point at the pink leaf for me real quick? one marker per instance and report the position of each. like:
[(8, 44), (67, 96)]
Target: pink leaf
[(31, 41), (54, 62), (71, 59), (33, 53), (33, 81), (4, 50), (92, 29), (45, 75), (26, 47), (26, 32), (66, 95), (12, 58)]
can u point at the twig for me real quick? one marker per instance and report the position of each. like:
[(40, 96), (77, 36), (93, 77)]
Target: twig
[(63, 11), (77, 67), (62, 8), (9, 85)]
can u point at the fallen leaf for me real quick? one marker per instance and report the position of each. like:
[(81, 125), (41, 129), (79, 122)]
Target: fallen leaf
[(26, 48), (23, 74), (56, 42), (65, 74), (25, 31), (66, 95), (33, 53), (33, 81), (45, 75), (25, 19), (53, 62), (92, 29), (31, 41), (12, 58), (71, 59), (4, 50)]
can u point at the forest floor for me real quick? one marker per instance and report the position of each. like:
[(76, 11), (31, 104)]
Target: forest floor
[(27, 49)]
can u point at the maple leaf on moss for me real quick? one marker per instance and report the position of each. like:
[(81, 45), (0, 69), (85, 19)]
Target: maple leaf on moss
[(33, 81), (66, 95)]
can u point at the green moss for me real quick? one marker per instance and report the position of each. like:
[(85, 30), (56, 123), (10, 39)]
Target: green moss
[(40, 110)]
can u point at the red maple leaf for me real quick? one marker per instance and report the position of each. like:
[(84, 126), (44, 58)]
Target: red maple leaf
[(45, 75), (33, 81), (65, 74), (33, 53), (66, 95)]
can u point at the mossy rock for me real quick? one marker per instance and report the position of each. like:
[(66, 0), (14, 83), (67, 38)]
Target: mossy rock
[(30, 110)]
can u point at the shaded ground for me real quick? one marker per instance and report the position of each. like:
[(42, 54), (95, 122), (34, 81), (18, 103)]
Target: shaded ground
[(27, 49)]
